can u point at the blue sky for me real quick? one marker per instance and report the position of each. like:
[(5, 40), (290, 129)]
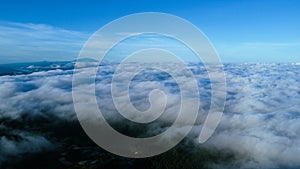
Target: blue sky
[(241, 31)]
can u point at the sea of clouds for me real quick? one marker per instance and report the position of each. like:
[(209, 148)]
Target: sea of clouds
[(260, 124)]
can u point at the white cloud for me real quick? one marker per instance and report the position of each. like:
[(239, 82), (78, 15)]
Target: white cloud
[(36, 42), (260, 125)]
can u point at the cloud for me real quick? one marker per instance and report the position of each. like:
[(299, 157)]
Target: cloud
[(261, 120), (36, 42), (260, 125), (38, 100), (40, 42), (25, 143)]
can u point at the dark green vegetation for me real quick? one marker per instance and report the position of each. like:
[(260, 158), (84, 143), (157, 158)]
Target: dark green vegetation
[(74, 150)]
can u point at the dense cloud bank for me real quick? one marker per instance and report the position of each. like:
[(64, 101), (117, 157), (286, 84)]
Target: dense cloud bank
[(260, 125)]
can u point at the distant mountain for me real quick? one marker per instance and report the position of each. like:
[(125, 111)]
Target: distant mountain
[(30, 67), (86, 60), (7, 71)]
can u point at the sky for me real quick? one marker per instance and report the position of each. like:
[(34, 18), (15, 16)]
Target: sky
[(241, 31)]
